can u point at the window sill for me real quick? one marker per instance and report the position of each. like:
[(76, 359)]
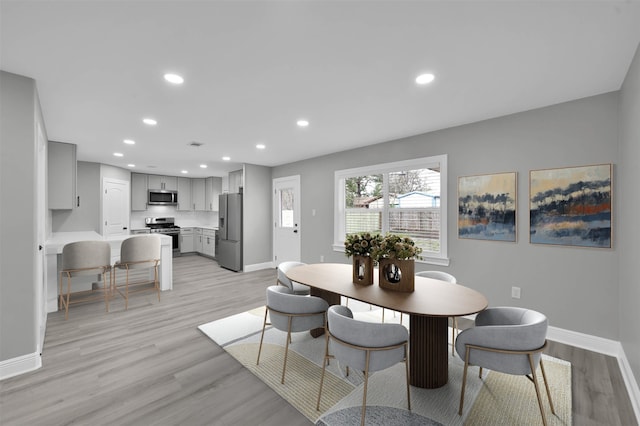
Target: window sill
[(439, 261)]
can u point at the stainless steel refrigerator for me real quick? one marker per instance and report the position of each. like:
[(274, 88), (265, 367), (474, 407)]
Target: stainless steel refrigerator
[(229, 250)]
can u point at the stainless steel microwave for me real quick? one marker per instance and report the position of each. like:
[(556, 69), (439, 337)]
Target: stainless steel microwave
[(162, 197)]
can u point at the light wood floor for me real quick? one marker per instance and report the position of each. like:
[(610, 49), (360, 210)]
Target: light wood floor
[(150, 364)]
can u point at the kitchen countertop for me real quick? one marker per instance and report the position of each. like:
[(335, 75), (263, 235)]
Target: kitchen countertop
[(57, 240)]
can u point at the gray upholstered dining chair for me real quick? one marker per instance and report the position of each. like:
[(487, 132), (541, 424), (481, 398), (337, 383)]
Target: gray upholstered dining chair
[(444, 276), (365, 346), (509, 340), (295, 287), (292, 313), (85, 258), (138, 253)]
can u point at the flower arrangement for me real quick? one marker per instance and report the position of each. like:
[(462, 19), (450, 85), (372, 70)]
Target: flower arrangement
[(361, 244), (395, 246)]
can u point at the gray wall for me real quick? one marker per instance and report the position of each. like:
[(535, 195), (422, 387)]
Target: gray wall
[(19, 110), (576, 288), (257, 227), (629, 229)]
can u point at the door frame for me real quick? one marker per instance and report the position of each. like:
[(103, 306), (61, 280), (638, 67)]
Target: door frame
[(275, 209)]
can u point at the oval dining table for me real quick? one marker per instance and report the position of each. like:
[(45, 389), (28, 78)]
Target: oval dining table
[(429, 306)]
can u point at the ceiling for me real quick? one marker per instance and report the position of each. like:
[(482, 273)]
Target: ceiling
[(252, 69)]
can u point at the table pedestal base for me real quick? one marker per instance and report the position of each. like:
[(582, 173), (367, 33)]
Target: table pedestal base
[(331, 298), (428, 351)]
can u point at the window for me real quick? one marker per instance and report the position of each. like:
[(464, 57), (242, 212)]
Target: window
[(405, 197)]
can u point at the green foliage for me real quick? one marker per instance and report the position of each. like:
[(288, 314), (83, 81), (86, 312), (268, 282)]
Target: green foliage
[(395, 246), (361, 243)]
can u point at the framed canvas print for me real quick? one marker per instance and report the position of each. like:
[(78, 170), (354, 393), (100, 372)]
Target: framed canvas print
[(487, 207), (571, 206)]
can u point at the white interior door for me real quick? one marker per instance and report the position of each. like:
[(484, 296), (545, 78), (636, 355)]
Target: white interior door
[(115, 207), (41, 283), (286, 214)]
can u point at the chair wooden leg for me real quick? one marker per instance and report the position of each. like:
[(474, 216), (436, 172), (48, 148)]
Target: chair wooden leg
[(66, 305), (364, 391), (535, 384), (106, 289), (454, 333), (155, 281), (264, 325), (406, 367), (324, 367), (464, 380), (286, 350), (546, 385)]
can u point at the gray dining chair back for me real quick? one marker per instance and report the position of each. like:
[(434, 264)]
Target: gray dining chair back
[(84, 258), (292, 313), (508, 340), (364, 346), (139, 252), (295, 287)]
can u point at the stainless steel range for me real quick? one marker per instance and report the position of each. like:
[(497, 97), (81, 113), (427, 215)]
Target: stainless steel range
[(166, 226)]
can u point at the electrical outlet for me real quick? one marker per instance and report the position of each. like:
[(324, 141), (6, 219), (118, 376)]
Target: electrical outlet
[(515, 292), (321, 259)]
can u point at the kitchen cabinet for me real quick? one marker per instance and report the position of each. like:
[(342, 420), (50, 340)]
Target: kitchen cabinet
[(236, 181), (184, 194), (197, 240), (139, 192), (62, 176), (163, 182), (213, 188), (198, 198), (209, 242), (186, 240)]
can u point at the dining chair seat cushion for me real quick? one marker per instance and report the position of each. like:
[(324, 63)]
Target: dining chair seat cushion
[(86, 257), (343, 326), (280, 298), (295, 287), (508, 328), (139, 251)]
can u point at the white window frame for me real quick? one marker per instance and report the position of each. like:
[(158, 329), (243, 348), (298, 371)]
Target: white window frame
[(339, 226)]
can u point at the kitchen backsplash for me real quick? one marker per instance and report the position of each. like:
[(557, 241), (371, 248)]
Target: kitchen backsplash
[(183, 219)]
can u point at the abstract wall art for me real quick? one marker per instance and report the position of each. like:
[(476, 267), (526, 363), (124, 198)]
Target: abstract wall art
[(487, 207), (571, 206)]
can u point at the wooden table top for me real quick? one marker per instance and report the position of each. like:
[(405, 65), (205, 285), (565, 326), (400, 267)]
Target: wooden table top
[(431, 297)]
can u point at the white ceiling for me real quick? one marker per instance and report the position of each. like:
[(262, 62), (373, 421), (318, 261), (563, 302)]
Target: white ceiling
[(252, 69)]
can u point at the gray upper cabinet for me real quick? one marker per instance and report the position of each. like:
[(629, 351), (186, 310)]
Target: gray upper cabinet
[(163, 182), (213, 188), (139, 191), (62, 175), (236, 181), (197, 194), (184, 194)]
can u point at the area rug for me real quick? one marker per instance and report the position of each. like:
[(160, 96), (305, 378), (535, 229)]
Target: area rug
[(493, 400)]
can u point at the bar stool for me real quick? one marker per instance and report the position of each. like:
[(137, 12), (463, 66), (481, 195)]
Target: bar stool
[(85, 258), (139, 252)]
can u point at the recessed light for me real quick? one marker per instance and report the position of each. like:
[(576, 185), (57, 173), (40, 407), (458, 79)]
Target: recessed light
[(303, 123), (174, 78), (131, 165), (149, 121), (184, 172), (129, 141), (226, 158), (261, 146), (118, 154), (425, 78), (203, 166)]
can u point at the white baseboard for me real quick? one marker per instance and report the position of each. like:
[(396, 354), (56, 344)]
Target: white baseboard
[(604, 346), (258, 266), (20, 365)]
